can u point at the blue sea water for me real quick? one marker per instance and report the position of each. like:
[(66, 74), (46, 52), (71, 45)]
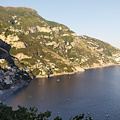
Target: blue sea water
[(95, 91)]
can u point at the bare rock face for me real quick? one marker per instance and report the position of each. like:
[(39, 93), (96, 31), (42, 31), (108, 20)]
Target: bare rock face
[(13, 40), (39, 29), (21, 56), (42, 45), (18, 45)]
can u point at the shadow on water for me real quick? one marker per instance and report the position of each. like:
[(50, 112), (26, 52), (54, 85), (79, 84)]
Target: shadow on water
[(95, 91)]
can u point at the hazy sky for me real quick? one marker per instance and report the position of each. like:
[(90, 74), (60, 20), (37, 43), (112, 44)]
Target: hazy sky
[(95, 18)]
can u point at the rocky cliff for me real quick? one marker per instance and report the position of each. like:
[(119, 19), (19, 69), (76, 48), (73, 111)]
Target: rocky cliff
[(4, 52), (12, 79), (46, 46), (10, 75)]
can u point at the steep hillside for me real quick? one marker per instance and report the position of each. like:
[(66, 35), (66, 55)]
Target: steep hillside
[(48, 47)]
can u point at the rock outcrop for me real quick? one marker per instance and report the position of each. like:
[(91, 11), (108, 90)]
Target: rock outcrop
[(43, 45), (12, 77)]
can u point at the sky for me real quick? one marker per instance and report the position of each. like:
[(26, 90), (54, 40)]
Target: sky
[(95, 18)]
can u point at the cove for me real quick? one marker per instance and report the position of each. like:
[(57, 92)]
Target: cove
[(95, 91)]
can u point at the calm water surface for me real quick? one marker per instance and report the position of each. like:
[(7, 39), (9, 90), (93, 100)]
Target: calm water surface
[(96, 91)]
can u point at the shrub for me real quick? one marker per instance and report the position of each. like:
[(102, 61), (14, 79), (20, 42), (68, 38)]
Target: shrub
[(22, 113)]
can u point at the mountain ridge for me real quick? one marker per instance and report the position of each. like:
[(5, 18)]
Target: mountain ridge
[(46, 46)]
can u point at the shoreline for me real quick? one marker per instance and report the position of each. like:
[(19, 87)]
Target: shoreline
[(70, 73), (5, 93), (59, 74), (110, 65)]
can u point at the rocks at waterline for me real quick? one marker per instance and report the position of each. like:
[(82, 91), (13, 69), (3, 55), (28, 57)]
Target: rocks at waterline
[(13, 77)]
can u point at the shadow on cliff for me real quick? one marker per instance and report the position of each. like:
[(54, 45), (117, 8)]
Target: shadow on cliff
[(4, 54)]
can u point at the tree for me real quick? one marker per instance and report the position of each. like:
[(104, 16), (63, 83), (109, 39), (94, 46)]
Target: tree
[(23, 113)]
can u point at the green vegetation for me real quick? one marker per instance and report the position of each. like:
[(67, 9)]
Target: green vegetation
[(22, 113), (50, 44)]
